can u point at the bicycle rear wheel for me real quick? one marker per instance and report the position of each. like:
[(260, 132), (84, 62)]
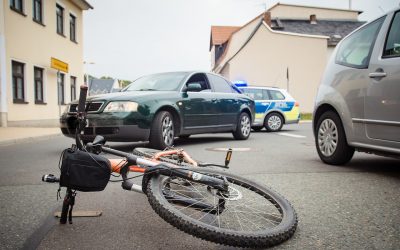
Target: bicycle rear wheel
[(250, 215)]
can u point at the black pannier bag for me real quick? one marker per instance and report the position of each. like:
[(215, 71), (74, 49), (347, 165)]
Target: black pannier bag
[(84, 171)]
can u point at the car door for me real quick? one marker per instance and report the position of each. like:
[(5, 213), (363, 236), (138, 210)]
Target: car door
[(225, 101), (198, 108), (382, 100)]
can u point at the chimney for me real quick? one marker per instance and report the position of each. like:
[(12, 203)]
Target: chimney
[(313, 19), (267, 18)]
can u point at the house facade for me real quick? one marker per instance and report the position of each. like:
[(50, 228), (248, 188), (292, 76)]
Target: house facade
[(41, 59), (287, 47)]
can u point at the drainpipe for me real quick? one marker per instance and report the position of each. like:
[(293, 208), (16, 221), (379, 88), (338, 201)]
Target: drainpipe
[(3, 74)]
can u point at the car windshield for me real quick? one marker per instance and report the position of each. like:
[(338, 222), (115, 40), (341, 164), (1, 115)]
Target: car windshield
[(157, 82)]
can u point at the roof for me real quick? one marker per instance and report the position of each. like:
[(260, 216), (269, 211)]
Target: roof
[(84, 5), (335, 30), (221, 34), (314, 7), (101, 86)]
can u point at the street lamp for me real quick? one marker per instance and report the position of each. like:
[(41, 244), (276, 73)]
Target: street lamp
[(86, 74)]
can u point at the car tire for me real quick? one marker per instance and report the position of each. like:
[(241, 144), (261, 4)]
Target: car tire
[(330, 140), (273, 122), (162, 131), (243, 127)]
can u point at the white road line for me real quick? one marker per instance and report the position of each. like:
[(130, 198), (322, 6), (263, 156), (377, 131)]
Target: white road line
[(292, 135)]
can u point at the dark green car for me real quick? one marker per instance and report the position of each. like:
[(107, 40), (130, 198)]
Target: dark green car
[(157, 108)]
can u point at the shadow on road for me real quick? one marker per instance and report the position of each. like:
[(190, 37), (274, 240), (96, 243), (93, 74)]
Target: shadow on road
[(374, 164)]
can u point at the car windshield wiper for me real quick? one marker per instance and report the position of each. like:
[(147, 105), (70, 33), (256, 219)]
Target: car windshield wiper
[(147, 89)]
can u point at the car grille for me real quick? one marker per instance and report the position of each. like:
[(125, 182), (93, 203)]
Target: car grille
[(93, 107)]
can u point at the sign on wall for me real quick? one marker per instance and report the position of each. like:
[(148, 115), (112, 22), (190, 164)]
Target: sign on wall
[(59, 65)]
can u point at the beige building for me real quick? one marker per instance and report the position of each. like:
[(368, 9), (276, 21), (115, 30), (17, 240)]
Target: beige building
[(41, 59), (287, 47)]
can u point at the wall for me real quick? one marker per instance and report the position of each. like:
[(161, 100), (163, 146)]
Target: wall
[(300, 12), (237, 40), (34, 44), (264, 61)]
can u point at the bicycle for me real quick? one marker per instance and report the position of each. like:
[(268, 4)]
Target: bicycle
[(212, 205)]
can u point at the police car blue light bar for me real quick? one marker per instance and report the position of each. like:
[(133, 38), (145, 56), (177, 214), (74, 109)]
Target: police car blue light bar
[(240, 83)]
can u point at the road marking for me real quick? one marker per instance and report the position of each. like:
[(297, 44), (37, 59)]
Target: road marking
[(292, 135)]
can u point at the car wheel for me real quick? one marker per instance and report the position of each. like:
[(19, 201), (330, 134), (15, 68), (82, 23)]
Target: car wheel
[(330, 140), (273, 122), (243, 127), (162, 131)]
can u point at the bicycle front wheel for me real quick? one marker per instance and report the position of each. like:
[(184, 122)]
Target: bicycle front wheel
[(249, 215)]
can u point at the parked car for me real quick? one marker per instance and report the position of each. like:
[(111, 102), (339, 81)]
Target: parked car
[(358, 102), (157, 108), (274, 107)]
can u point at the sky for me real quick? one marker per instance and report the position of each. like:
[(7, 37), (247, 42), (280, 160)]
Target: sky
[(126, 39)]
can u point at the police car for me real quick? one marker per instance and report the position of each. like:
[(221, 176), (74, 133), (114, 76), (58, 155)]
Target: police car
[(274, 107)]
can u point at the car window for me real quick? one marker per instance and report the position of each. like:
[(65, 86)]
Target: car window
[(220, 84), (392, 46), (201, 80), (276, 95), (356, 49), (256, 94), (157, 82)]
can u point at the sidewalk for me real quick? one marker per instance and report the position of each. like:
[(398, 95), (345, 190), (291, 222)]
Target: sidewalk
[(12, 135)]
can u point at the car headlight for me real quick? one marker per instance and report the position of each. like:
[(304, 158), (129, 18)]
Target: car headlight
[(121, 107)]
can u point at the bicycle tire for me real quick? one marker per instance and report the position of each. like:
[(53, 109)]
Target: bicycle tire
[(149, 153), (182, 218)]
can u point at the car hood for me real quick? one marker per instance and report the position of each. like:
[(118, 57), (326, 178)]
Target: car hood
[(131, 96)]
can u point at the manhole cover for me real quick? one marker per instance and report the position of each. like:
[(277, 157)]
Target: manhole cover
[(226, 149)]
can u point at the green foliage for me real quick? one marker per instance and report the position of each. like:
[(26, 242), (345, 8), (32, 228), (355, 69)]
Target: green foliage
[(305, 116)]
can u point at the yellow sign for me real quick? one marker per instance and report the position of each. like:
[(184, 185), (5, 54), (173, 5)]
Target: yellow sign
[(59, 65)]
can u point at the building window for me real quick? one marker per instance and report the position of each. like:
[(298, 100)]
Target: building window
[(17, 5), (18, 82), (60, 89), (60, 19), (37, 11), (38, 81), (72, 27), (73, 88)]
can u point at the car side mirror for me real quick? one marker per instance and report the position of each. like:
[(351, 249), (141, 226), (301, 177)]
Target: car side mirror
[(193, 87)]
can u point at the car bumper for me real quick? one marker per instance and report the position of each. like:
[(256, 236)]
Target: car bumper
[(119, 129)]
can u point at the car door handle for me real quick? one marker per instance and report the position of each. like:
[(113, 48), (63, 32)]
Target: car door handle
[(377, 74), (214, 100)]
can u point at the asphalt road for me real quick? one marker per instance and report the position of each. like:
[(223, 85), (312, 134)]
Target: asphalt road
[(348, 207)]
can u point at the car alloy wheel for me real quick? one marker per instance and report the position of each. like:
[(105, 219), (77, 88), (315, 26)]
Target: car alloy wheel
[(327, 137), (274, 122), (168, 130), (330, 140), (245, 125)]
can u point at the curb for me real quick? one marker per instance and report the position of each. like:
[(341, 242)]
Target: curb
[(28, 139)]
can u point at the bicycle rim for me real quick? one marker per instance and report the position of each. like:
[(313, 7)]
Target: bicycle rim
[(252, 215)]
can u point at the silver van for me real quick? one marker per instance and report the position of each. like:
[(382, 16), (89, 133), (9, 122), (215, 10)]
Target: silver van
[(358, 102)]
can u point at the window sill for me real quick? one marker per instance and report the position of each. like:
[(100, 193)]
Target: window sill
[(74, 41), (17, 101), (40, 103), (18, 11), (61, 34), (38, 22)]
